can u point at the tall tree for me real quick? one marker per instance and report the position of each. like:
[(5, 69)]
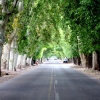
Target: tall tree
[(8, 9)]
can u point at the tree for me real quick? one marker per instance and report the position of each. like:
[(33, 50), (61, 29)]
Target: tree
[(83, 16), (8, 9)]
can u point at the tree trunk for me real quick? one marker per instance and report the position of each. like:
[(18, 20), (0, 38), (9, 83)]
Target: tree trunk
[(2, 40), (30, 61), (33, 61), (41, 60), (11, 60), (8, 55), (24, 61), (89, 61), (96, 60), (83, 60), (3, 23), (98, 53), (15, 61), (0, 57), (19, 59), (95, 64), (79, 61), (3, 61)]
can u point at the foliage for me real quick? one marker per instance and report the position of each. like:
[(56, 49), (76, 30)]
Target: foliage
[(58, 23), (84, 17)]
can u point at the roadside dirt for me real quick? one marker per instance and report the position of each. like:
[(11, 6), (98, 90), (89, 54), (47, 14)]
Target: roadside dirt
[(7, 75), (90, 72)]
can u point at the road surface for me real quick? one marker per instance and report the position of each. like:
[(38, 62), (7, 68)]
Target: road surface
[(51, 81)]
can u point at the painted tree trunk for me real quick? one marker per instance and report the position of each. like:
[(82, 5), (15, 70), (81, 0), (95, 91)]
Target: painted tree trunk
[(8, 49), (15, 61), (24, 61), (13, 54), (8, 56), (3, 23), (19, 61), (94, 61), (28, 61), (0, 57), (11, 59), (2, 39), (5, 56), (3, 61)]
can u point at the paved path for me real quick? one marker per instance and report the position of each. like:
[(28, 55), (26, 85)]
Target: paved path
[(51, 81)]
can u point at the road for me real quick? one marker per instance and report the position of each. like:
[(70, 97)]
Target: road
[(52, 80)]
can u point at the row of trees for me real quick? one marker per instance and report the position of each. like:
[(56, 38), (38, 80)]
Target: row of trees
[(8, 10), (84, 20), (43, 28), (30, 31)]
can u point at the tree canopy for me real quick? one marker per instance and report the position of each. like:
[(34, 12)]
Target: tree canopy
[(56, 27)]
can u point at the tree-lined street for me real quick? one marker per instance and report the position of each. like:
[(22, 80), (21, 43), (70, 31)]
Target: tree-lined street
[(35, 30), (32, 32), (51, 80)]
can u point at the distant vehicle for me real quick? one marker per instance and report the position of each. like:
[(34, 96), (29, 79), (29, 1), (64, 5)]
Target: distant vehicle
[(65, 61), (47, 58)]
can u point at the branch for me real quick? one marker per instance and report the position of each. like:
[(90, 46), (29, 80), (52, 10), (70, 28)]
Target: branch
[(12, 36), (10, 13)]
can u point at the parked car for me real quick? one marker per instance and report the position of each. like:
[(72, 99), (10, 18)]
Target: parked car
[(65, 61)]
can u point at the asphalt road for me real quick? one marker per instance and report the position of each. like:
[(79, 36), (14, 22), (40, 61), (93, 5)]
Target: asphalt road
[(51, 81)]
